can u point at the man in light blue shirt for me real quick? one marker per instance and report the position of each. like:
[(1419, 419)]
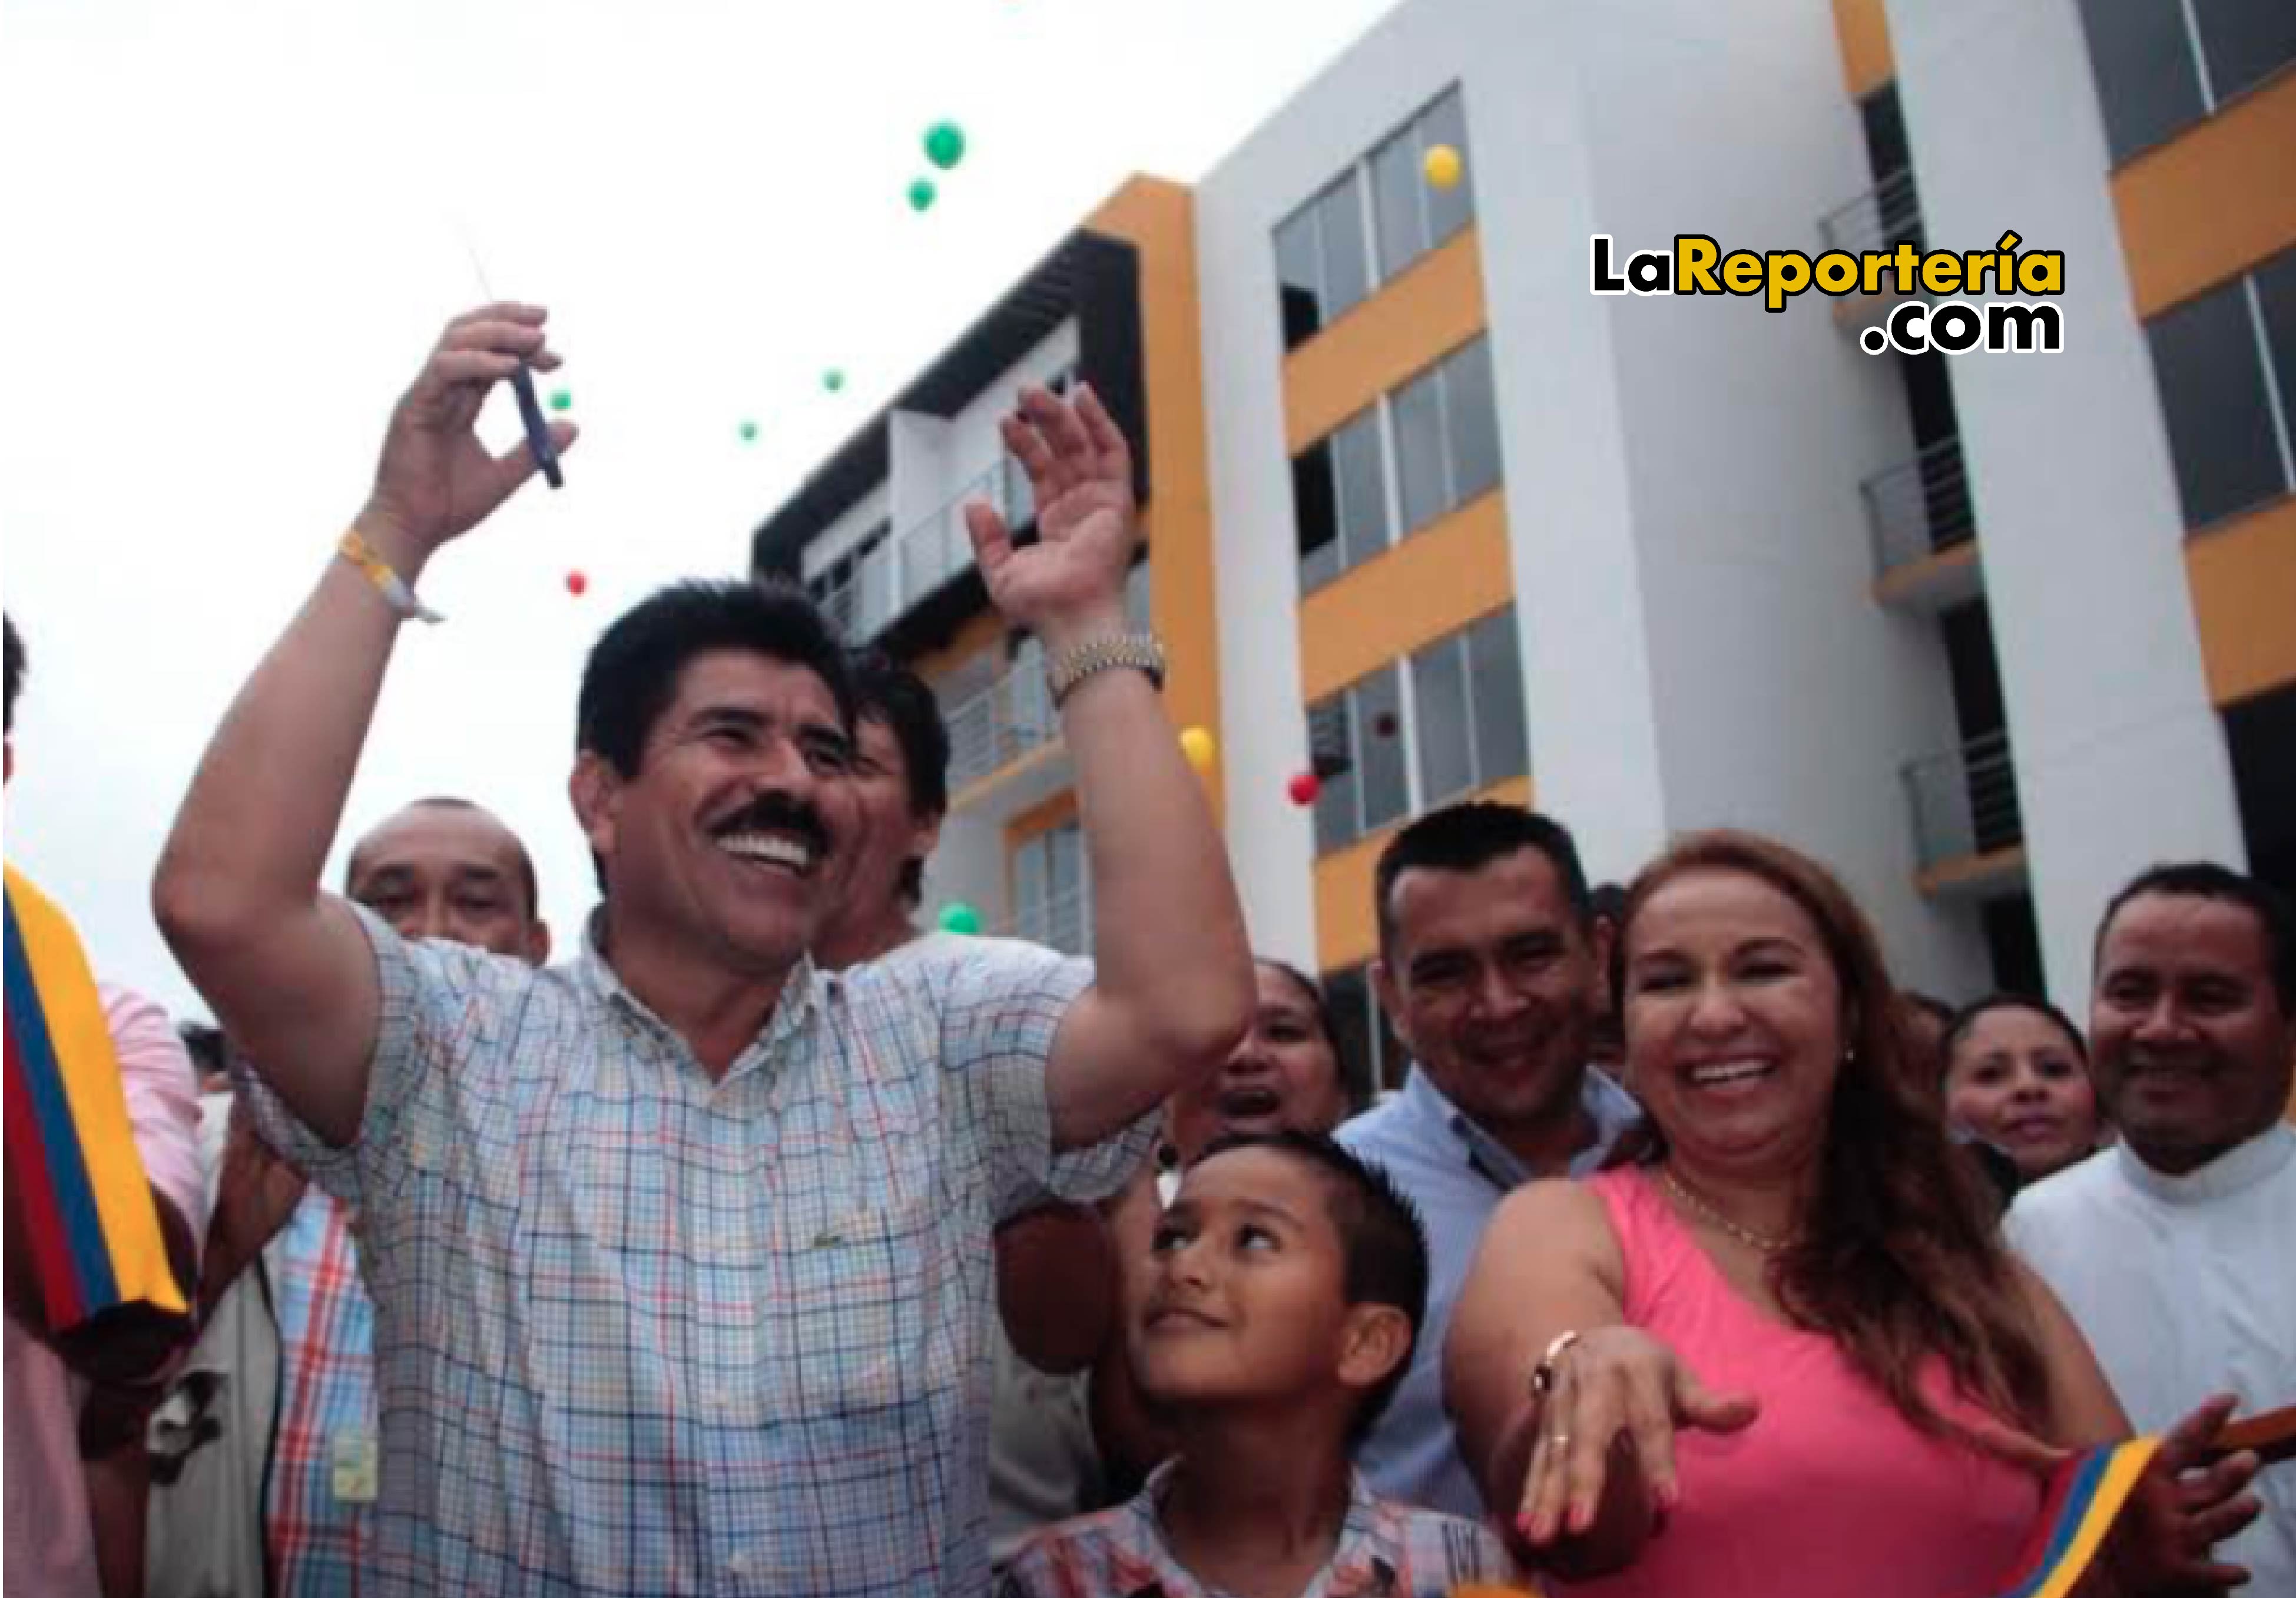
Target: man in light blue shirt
[(1491, 970)]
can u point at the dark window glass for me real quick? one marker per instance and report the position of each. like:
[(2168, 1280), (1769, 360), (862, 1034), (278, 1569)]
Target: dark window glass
[(2262, 734), (1979, 707), (1354, 1030), (2146, 82), (2244, 42), (2212, 380), (1379, 749), (1315, 497), (1502, 731), (2013, 944), (1363, 489), (1452, 208), (1887, 152), (1438, 699), (1299, 276), (2276, 290), (1422, 474), (1332, 757), (1472, 418)]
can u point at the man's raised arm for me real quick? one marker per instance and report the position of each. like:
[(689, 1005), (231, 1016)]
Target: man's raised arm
[(1173, 989), (237, 893)]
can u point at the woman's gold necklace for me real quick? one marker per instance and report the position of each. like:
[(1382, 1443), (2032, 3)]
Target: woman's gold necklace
[(1759, 1241)]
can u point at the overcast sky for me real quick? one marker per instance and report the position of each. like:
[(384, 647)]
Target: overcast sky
[(233, 228)]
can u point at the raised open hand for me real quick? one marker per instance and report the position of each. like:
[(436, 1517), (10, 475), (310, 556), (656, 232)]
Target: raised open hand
[(1069, 585), (435, 478)]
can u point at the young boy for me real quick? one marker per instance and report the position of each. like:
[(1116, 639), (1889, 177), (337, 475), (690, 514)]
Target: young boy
[(1271, 1322)]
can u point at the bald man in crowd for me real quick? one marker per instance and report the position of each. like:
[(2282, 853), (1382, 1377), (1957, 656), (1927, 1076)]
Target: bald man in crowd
[(440, 868)]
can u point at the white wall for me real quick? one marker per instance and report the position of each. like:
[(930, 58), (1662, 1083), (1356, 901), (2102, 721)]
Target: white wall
[(973, 444), (1787, 700), (933, 460), (864, 513), (1690, 565), (1263, 731), (2120, 757)]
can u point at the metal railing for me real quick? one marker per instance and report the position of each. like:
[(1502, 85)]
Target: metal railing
[(1964, 801), (1919, 507), (1880, 218), (898, 574), (1063, 922), (1002, 722)]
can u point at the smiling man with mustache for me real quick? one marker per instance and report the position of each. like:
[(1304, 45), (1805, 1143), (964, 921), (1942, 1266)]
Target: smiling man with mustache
[(679, 1252), (2172, 1248)]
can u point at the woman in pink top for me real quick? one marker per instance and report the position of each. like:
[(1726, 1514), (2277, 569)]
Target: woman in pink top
[(1782, 1351)]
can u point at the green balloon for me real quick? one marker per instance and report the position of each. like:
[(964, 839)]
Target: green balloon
[(960, 919), (748, 433), (833, 380), (945, 144), (921, 194), (561, 399)]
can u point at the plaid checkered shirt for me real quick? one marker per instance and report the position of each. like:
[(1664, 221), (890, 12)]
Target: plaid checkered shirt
[(639, 1332), (313, 1535), (1385, 1550)]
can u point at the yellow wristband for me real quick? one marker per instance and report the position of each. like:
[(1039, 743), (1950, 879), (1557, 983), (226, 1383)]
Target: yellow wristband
[(389, 584)]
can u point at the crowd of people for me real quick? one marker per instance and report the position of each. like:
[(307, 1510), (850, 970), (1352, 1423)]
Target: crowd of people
[(773, 1243)]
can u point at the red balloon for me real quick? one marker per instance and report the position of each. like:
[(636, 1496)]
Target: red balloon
[(576, 583), (1303, 788)]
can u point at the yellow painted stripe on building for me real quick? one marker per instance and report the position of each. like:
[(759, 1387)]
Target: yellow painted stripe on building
[(1916, 575), (1159, 219), (1346, 922), (979, 634), (2244, 577), (1435, 582), (1040, 818), (2212, 201), (1432, 309), (1863, 26), (1967, 869)]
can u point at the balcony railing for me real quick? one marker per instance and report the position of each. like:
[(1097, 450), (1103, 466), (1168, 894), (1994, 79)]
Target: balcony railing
[(1063, 922), (899, 574), (1880, 218), (1002, 722), (1964, 801), (1919, 507)]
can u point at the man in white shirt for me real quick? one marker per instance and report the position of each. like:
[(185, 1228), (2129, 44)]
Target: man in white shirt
[(2172, 1248)]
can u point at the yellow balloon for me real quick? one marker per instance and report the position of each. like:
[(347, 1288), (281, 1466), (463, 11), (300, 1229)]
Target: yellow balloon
[(1196, 744), (1442, 166)]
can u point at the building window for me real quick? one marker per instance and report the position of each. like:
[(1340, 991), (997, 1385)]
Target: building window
[(1411, 215), (2260, 733), (1340, 487), (1321, 263), (2161, 65), (2223, 363), (1051, 890), (855, 590), (1444, 722), (1436, 437), (1328, 251), (1372, 1057)]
